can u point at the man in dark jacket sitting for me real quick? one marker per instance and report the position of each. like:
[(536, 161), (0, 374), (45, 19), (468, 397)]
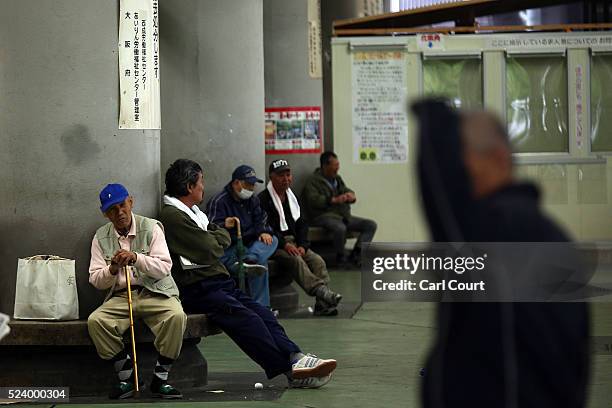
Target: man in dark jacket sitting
[(294, 254), (327, 201), (237, 200)]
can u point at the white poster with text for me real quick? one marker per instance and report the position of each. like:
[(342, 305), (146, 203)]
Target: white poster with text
[(315, 67), (380, 116), (139, 65)]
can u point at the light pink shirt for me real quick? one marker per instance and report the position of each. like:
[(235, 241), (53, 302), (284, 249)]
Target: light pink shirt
[(156, 265)]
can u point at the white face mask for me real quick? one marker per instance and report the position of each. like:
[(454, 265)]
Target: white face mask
[(245, 194)]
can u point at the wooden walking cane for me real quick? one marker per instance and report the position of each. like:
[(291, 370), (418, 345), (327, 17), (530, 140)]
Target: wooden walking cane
[(129, 293)]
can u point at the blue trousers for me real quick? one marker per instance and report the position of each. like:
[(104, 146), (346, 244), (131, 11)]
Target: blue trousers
[(258, 252), (250, 325)]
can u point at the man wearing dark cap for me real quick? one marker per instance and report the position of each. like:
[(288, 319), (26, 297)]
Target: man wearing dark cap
[(236, 200), (294, 255), (138, 244)]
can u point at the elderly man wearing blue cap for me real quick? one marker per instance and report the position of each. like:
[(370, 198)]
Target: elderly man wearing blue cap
[(237, 200), (138, 244)]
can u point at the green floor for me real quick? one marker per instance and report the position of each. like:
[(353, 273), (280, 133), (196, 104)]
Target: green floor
[(379, 354)]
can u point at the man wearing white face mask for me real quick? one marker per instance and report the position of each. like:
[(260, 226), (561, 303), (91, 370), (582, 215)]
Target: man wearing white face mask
[(237, 200)]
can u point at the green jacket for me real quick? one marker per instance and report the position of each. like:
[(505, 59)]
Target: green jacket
[(201, 247), (317, 195)]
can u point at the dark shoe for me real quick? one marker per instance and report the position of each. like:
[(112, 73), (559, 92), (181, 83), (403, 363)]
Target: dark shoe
[(329, 297), (255, 269), (122, 390), (324, 309), (355, 257), (341, 261), (164, 390), (249, 269)]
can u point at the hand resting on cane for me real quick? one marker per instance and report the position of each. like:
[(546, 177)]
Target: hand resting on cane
[(122, 258)]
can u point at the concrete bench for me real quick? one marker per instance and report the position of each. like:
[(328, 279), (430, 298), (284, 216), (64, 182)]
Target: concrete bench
[(49, 353), (283, 296), (318, 234), (321, 242)]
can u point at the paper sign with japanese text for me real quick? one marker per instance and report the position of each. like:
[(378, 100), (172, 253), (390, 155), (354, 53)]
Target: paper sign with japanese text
[(139, 74)]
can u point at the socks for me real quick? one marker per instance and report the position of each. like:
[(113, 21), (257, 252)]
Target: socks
[(294, 357), (162, 368), (123, 366), (122, 363)]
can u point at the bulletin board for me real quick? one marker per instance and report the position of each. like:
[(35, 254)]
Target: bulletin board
[(292, 130)]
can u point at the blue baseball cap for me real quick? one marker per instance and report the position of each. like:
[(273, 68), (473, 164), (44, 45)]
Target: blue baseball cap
[(112, 194), (246, 173)]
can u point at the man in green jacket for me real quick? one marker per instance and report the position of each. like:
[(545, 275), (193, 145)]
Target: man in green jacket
[(195, 247), (328, 200)]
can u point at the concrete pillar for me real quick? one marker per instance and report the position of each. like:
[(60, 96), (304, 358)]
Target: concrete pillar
[(286, 72), (59, 136), (212, 86), (332, 10)]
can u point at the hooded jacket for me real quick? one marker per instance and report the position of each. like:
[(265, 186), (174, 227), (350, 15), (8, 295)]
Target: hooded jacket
[(492, 354)]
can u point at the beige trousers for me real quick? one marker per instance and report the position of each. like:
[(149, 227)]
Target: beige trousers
[(309, 270), (163, 315)]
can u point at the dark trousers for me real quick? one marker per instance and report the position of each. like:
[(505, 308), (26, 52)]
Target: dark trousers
[(338, 228), (249, 324)]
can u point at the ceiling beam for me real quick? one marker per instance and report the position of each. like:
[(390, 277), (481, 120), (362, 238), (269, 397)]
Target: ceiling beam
[(464, 13)]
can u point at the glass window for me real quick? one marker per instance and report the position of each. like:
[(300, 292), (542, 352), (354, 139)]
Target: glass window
[(536, 104), (459, 80), (601, 103)]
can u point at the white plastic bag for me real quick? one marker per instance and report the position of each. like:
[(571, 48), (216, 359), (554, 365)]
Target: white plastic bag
[(46, 289)]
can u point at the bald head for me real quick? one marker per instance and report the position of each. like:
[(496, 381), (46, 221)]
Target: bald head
[(486, 152), (483, 131)]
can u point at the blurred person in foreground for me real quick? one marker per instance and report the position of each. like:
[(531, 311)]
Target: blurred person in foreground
[(493, 354)]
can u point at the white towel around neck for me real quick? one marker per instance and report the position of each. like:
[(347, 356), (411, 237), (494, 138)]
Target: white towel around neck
[(294, 206), (194, 212), (197, 216)]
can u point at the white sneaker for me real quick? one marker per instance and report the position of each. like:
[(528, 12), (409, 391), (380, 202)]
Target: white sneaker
[(311, 366), (4, 327), (310, 382)]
